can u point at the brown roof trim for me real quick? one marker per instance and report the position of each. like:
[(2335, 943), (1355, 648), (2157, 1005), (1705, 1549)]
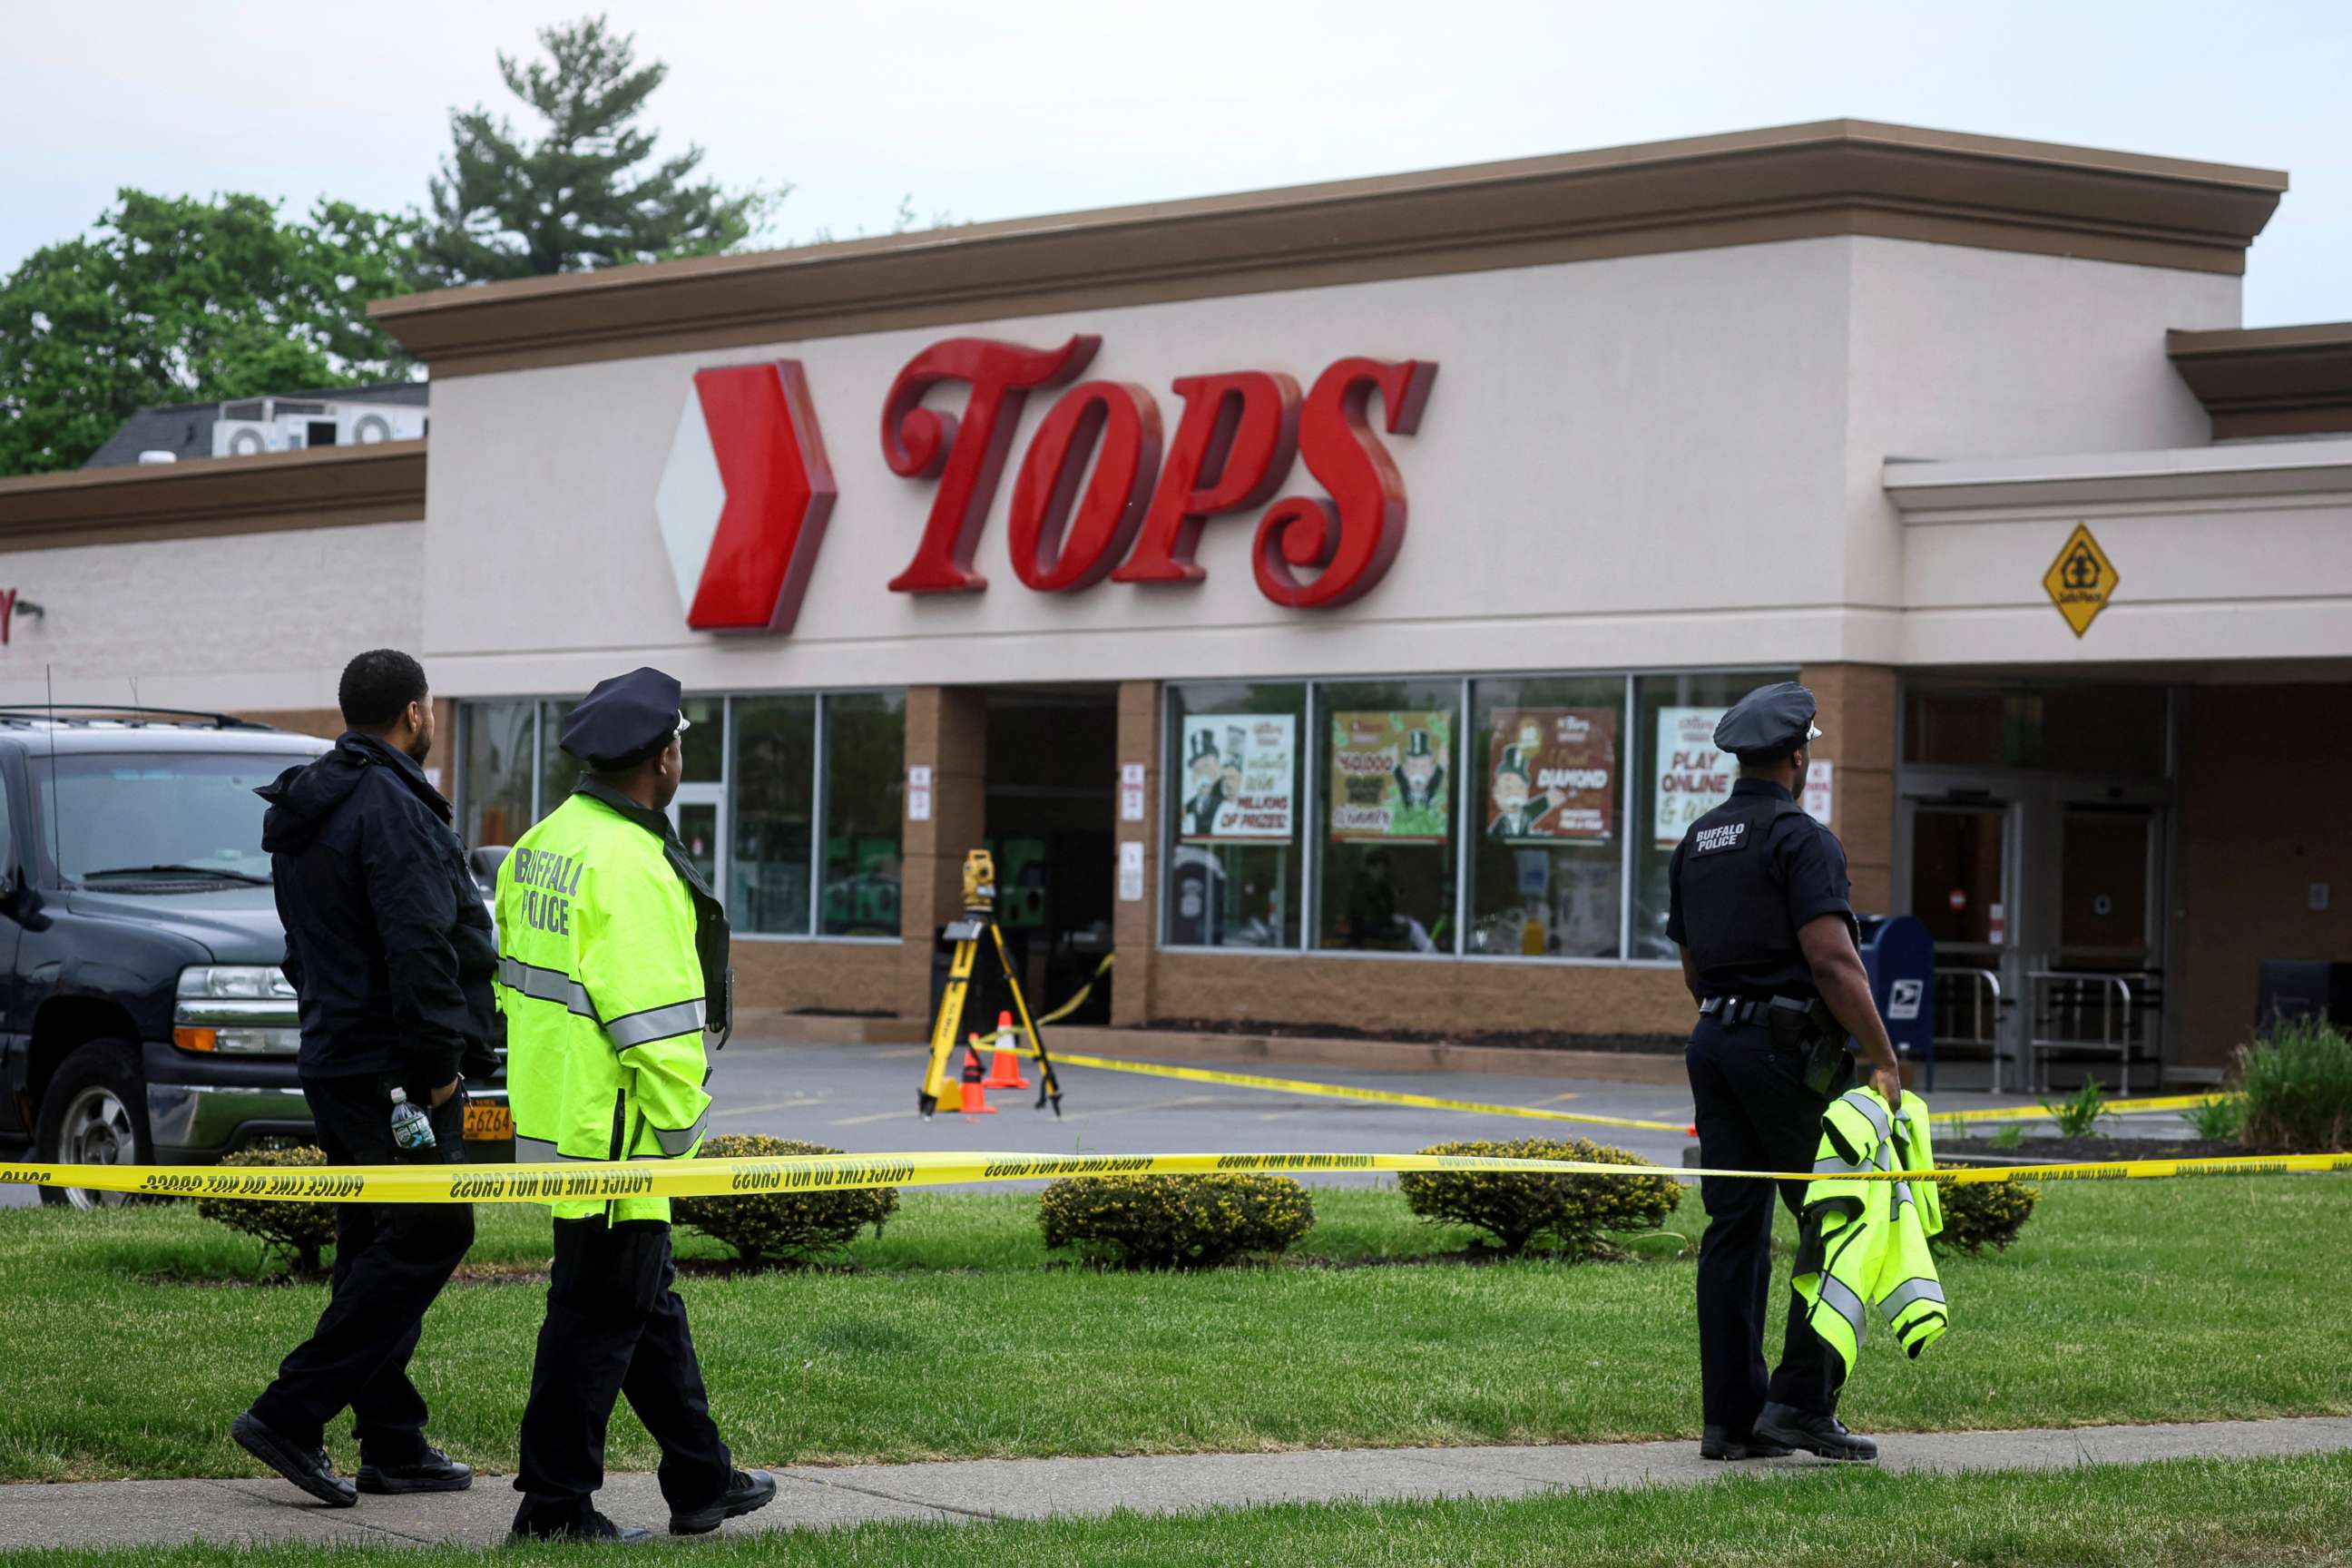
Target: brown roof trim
[(2269, 381), (330, 487), (1836, 177)]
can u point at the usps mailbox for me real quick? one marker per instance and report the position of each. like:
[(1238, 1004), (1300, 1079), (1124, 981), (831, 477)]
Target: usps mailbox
[(1900, 955)]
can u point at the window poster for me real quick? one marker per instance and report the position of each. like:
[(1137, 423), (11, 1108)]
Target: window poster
[(1388, 776), (1551, 776), (1693, 777), (1238, 777)]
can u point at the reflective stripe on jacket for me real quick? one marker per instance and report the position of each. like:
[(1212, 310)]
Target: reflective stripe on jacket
[(604, 992), (1866, 1241)]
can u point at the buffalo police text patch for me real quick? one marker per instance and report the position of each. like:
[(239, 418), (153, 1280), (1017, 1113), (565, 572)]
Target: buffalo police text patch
[(1728, 835)]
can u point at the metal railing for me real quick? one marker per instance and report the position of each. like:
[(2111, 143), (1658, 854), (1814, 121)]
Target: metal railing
[(1969, 1012), (2079, 1010)]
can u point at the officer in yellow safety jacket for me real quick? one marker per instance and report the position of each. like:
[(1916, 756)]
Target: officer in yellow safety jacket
[(612, 965), (1864, 1243)]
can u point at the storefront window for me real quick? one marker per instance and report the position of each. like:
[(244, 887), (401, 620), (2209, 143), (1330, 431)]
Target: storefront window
[(1235, 802), (2112, 730), (773, 812), (1546, 866), (1389, 772), (558, 769), (1680, 776), (496, 764), (705, 743), (864, 804)]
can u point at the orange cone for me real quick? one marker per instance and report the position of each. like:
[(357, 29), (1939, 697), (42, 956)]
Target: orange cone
[(1004, 1071), (974, 1099)]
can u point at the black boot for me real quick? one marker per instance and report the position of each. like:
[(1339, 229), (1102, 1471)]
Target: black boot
[(435, 1472), (1715, 1442), (309, 1468), (1823, 1435), (585, 1525), (746, 1490)]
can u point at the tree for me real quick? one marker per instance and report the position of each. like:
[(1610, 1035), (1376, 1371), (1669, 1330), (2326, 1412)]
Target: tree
[(174, 300), (588, 191)]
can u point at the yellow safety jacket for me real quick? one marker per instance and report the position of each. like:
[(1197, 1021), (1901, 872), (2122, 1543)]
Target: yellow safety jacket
[(606, 980), (1866, 1241)]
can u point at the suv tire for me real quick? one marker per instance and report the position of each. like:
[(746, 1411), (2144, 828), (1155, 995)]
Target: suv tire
[(94, 1112)]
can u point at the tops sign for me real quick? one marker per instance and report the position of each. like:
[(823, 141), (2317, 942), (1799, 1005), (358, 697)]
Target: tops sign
[(744, 499)]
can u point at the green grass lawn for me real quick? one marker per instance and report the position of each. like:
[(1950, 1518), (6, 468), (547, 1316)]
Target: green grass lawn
[(2182, 1514), (958, 1337)]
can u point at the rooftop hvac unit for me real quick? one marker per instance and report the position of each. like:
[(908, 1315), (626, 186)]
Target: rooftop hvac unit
[(282, 425)]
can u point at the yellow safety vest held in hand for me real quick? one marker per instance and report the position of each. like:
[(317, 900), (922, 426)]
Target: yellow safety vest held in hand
[(605, 993), (1866, 1242)]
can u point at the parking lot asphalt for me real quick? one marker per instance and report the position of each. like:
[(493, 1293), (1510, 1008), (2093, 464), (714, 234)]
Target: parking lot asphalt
[(861, 1099)]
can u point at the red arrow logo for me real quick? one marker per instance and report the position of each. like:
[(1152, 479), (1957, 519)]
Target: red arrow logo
[(744, 499)]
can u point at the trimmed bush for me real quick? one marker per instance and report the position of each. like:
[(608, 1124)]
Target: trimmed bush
[(2298, 1084), (769, 1227), (1576, 1211), (302, 1231), (1173, 1221), (1978, 1215)]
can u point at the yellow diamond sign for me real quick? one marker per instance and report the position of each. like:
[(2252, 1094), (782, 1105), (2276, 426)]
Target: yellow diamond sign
[(2081, 581)]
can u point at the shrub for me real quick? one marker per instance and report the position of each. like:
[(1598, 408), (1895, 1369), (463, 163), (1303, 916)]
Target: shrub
[(2079, 1117), (1173, 1221), (2011, 1136), (2219, 1120), (2298, 1084), (303, 1231), (782, 1226), (1576, 1211), (1978, 1215)]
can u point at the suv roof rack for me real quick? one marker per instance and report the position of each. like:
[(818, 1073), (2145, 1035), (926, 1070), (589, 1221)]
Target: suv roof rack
[(88, 713)]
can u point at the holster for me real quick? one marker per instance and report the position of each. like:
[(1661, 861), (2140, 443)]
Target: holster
[(1819, 1044)]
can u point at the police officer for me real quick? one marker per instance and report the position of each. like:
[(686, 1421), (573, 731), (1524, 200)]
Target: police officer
[(1758, 911), (613, 963)]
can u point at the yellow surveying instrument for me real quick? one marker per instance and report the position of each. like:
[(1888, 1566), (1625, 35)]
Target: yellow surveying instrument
[(978, 929)]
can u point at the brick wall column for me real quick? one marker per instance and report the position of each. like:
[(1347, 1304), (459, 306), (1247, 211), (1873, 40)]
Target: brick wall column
[(1135, 926), (946, 731), (1858, 726)]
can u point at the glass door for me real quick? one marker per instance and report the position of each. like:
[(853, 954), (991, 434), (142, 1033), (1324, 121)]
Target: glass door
[(1963, 860), (699, 815)]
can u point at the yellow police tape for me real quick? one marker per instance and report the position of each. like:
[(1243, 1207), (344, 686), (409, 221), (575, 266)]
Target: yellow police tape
[(1078, 1001), (1345, 1091), (2112, 1107), (597, 1181)]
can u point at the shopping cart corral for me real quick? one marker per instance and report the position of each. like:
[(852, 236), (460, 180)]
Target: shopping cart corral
[(1971, 1021)]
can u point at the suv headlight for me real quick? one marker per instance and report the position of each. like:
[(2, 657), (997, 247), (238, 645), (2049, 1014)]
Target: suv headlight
[(231, 1009)]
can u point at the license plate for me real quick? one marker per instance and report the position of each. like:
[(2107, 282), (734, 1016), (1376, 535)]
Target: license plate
[(488, 1124)]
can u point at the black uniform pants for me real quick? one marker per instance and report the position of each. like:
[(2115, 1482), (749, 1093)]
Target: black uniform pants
[(615, 1327), (391, 1261), (1753, 1113)]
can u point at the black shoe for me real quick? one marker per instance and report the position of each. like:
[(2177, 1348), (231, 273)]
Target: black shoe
[(1823, 1435), (1715, 1442), (746, 1490), (585, 1525), (435, 1472), (309, 1468)]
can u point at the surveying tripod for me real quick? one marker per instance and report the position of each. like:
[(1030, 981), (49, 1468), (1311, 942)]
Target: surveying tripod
[(978, 929)]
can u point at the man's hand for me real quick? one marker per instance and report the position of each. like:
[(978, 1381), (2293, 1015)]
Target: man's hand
[(1888, 1082), (441, 1096)]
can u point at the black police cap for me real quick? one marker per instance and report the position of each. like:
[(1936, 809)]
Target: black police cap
[(1770, 719), (625, 718)]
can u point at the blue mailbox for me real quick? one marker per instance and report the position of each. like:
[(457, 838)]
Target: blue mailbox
[(1900, 955)]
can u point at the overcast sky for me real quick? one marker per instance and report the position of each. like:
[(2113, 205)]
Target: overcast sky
[(990, 111)]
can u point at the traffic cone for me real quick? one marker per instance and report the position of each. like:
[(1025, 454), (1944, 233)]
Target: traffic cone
[(1004, 1071), (974, 1099)]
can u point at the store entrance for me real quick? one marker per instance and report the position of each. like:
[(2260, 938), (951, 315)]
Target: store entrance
[(1052, 809)]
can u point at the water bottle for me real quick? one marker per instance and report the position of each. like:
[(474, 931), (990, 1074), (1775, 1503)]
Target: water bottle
[(411, 1128)]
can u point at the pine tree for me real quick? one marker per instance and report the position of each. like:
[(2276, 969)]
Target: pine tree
[(588, 191)]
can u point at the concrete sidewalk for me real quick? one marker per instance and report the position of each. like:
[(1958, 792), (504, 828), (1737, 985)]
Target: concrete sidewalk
[(246, 1512)]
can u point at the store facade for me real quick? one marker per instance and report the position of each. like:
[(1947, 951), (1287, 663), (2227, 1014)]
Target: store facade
[(1322, 598)]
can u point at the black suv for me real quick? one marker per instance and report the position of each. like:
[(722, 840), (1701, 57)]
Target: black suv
[(146, 1019)]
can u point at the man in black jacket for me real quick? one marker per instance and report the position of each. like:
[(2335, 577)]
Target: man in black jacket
[(392, 955)]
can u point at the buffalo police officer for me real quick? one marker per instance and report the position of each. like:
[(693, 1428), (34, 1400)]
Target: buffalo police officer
[(612, 965), (1759, 912)]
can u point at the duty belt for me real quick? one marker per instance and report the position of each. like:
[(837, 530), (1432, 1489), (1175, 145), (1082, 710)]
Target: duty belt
[(1747, 1009)]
